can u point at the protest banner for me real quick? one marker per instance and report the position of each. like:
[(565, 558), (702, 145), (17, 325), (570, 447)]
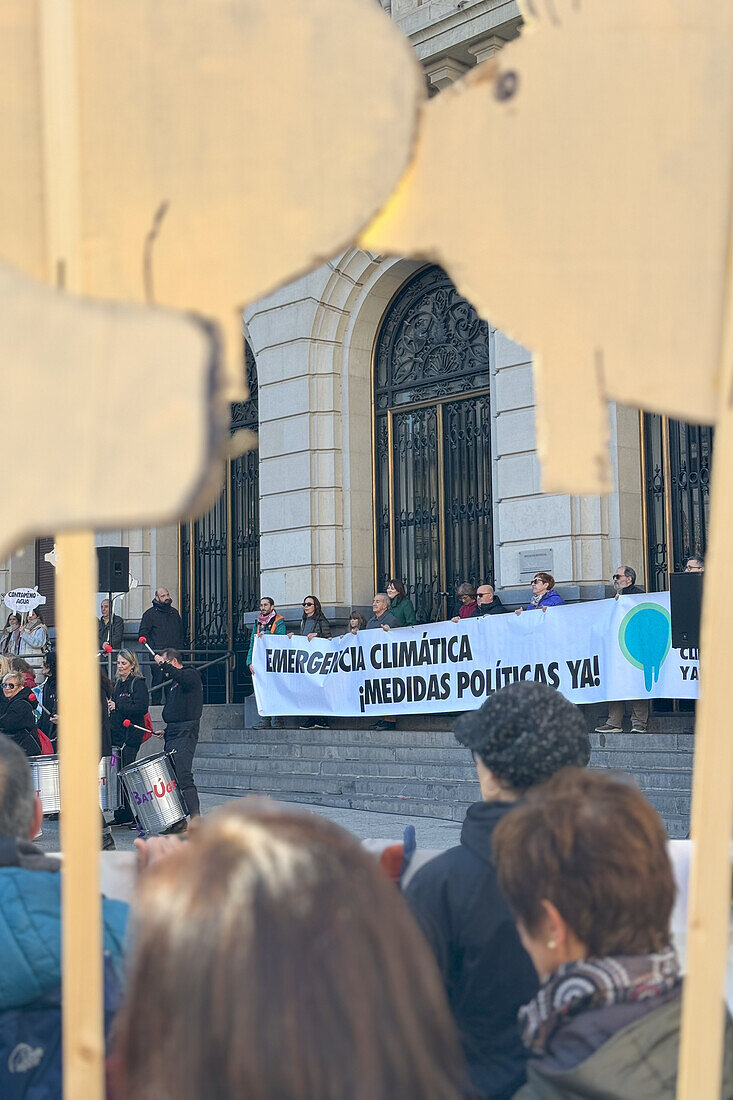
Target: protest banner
[(591, 652), (23, 600)]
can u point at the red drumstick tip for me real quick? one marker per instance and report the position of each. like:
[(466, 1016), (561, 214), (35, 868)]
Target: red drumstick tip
[(32, 698), (107, 647), (142, 640), (127, 722)]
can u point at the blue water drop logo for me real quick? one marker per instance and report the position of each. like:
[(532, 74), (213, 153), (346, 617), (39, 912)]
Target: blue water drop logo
[(645, 637)]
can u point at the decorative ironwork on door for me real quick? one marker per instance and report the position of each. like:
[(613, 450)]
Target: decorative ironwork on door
[(432, 444), (220, 552), (676, 466)]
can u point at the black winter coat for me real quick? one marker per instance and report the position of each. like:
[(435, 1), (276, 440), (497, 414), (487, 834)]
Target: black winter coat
[(487, 973), (131, 701), (496, 607), (185, 702), (161, 625), (18, 720)]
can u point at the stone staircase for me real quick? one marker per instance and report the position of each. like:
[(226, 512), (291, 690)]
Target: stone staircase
[(414, 771)]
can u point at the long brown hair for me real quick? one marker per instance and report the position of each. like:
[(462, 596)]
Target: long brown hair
[(272, 959)]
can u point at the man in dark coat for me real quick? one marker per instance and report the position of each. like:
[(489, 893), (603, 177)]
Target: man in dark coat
[(624, 584), (111, 630), (519, 737), (182, 717), (162, 627), (487, 603)]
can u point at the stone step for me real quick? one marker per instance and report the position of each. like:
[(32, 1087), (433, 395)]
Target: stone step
[(411, 806)]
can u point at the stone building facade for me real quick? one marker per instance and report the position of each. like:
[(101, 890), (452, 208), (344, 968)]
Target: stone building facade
[(342, 492)]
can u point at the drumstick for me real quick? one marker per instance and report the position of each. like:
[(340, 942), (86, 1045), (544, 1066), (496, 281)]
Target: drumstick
[(33, 698), (127, 723), (144, 641)]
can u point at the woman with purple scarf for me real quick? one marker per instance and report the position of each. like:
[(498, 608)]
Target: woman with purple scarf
[(583, 863)]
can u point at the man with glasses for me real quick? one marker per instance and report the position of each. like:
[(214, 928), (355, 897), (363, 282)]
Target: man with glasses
[(487, 603), (695, 565), (624, 584)]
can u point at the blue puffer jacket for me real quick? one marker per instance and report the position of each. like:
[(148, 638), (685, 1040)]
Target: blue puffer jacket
[(30, 971)]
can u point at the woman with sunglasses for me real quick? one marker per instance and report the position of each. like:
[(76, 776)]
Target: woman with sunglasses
[(543, 594), (313, 624), (17, 717)]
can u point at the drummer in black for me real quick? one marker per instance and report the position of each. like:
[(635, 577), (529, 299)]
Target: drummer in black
[(17, 717), (129, 700), (182, 717)]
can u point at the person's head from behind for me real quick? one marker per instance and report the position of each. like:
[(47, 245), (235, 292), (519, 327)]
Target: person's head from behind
[(521, 736), (20, 808), (18, 664), (300, 968), (583, 863)]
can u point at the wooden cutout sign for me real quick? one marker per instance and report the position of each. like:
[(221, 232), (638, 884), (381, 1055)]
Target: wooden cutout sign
[(224, 146), (129, 406), (577, 189)]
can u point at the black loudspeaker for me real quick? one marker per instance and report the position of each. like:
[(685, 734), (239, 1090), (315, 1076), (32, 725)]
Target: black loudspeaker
[(685, 603), (114, 568)]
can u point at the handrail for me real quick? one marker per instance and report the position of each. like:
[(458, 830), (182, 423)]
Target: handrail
[(227, 656)]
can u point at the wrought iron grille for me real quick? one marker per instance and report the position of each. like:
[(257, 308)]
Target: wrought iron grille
[(432, 433), (677, 466), (220, 552)]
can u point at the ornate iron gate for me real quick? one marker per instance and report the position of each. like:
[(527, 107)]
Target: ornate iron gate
[(676, 465), (220, 552), (432, 444)]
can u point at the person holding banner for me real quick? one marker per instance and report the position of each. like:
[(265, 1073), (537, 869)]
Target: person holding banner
[(624, 584), (313, 624), (543, 594), (401, 607), (268, 622)]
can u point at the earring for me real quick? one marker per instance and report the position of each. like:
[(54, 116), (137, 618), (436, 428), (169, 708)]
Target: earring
[(551, 945)]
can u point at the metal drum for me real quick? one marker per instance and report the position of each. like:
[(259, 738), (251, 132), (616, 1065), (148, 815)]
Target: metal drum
[(45, 772), (109, 784), (153, 792)]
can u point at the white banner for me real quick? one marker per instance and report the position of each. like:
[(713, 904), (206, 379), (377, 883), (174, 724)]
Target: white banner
[(591, 652)]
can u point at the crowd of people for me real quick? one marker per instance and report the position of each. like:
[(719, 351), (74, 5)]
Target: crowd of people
[(267, 955)]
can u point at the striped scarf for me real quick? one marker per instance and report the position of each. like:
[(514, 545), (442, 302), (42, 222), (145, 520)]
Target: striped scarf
[(594, 983)]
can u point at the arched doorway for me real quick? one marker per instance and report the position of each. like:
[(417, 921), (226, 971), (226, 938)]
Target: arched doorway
[(433, 517), (220, 552)]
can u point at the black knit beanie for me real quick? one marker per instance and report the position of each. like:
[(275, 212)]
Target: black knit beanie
[(525, 733)]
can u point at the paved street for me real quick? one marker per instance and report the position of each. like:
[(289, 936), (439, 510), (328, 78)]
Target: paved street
[(431, 832)]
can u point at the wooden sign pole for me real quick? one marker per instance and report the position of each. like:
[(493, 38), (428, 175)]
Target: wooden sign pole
[(703, 1018), (79, 737), (79, 698)]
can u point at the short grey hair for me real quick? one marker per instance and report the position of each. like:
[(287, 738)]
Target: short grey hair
[(382, 596), (17, 793), (630, 573)]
